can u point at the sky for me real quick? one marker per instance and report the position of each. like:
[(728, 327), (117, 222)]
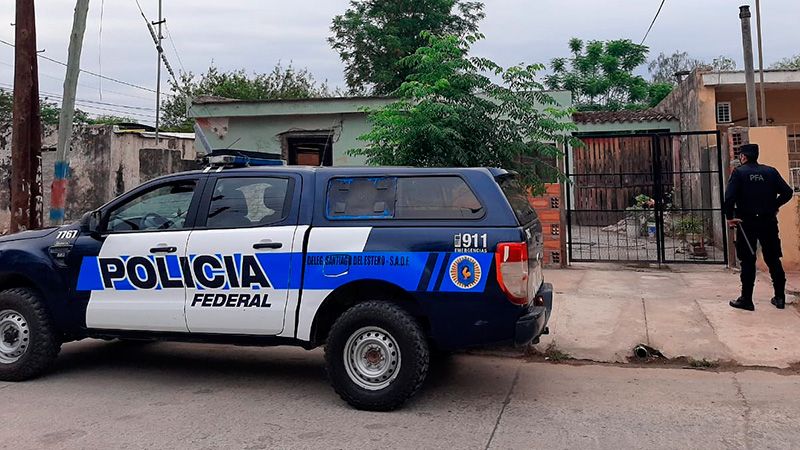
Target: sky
[(256, 34)]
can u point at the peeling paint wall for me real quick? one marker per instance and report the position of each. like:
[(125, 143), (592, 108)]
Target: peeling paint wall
[(103, 164)]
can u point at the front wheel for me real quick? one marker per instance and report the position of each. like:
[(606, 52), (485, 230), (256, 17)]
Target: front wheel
[(376, 356), (28, 344)]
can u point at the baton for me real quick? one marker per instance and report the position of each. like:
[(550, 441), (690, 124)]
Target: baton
[(746, 240)]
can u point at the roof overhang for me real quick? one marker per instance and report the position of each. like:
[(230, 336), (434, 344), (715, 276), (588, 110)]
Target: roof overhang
[(773, 79), (216, 107)]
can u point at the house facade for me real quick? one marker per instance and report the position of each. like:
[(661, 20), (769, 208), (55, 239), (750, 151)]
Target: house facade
[(707, 100)]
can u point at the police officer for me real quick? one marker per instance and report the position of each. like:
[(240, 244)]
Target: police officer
[(755, 193)]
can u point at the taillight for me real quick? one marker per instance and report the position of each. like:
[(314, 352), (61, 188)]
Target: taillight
[(511, 259)]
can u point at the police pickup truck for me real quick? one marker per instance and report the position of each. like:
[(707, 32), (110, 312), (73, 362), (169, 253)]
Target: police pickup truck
[(383, 266)]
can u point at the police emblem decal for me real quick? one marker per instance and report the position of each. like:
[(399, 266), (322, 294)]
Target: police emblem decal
[(465, 272)]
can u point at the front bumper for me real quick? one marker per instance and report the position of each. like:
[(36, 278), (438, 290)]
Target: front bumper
[(534, 322)]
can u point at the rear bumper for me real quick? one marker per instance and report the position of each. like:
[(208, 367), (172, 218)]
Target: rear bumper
[(534, 322)]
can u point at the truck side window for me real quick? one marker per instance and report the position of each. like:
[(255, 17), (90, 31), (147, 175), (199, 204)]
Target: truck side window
[(436, 198), (247, 202), (162, 208), (361, 198)]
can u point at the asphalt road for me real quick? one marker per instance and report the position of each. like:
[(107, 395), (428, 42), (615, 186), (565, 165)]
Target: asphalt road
[(110, 395)]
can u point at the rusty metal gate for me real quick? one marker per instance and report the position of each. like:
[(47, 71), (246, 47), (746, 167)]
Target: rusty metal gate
[(654, 198)]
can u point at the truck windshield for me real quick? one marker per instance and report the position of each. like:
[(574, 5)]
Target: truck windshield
[(518, 198)]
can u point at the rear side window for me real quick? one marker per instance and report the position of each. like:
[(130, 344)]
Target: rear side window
[(517, 196), (436, 198), (431, 198), (361, 198)]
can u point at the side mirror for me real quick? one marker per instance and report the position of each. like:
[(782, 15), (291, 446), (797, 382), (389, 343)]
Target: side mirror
[(91, 222)]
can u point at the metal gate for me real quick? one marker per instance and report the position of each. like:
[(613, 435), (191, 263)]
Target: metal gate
[(654, 198)]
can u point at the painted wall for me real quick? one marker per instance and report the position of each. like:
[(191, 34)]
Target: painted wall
[(773, 148), (265, 133), (783, 105), (693, 103)]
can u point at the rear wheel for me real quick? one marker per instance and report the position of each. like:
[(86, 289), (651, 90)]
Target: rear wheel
[(376, 356), (28, 345)]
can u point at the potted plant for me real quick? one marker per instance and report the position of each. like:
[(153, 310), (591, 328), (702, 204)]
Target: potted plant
[(690, 229)]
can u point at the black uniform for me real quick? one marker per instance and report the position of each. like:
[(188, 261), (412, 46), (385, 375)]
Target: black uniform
[(755, 193)]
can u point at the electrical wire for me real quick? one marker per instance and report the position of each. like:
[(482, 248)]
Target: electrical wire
[(83, 100), (174, 48), (88, 72), (653, 22), (61, 79)]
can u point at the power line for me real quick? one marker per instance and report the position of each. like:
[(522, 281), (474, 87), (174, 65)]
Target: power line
[(137, 116), (61, 79), (174, 48), (59, 97), (653, 22), (88, 72)]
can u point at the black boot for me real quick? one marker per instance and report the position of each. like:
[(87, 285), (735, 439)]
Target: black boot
[(743, 303), (779, 302)]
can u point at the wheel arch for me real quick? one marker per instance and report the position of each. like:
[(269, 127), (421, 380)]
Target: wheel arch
[(345, 296)]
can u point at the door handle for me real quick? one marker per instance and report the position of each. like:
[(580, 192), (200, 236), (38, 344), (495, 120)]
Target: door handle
[(263, 245), (164, 249)]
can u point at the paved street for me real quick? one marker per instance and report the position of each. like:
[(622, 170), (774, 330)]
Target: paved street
[(111, 395)]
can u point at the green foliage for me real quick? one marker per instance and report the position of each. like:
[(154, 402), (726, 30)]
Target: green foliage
[(450, 113), (373, 36), (50, 111), (111, 120), (600, 74), (688, 224), (284, 82), (657, 92), (791, 63)]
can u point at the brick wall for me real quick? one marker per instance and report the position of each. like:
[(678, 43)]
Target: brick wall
[(548, 206)]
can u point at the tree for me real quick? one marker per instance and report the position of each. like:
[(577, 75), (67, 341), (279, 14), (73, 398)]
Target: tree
[(450, 113), (372, 36), (6, 106), (284, 82), (791, 63), (722, 63), (663, 68), (600, 74), (111, 120)]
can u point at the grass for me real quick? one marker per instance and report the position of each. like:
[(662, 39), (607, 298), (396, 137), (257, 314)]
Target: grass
[(552, 353), (702, 364)]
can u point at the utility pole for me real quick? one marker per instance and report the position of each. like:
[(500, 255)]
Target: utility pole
[(761, 65), (58, 191), (26, 142), (749, 75), (160, 49)]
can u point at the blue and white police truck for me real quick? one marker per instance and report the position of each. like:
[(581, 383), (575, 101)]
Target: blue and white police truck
[(382, 266)]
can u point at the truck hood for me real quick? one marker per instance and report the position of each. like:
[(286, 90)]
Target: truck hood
[(30, 234)]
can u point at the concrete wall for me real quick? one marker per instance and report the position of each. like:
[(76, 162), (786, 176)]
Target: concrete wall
[(103, 165), (773, 146), (693, 103), (266, 133)]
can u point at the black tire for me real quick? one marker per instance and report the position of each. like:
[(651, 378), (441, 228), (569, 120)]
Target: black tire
[(37, 331), (413, 356)]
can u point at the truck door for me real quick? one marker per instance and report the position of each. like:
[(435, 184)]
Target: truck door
[(241, 254), (135, 281)]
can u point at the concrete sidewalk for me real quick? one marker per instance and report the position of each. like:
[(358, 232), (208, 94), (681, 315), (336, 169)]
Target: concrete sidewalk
[(601, 312)]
